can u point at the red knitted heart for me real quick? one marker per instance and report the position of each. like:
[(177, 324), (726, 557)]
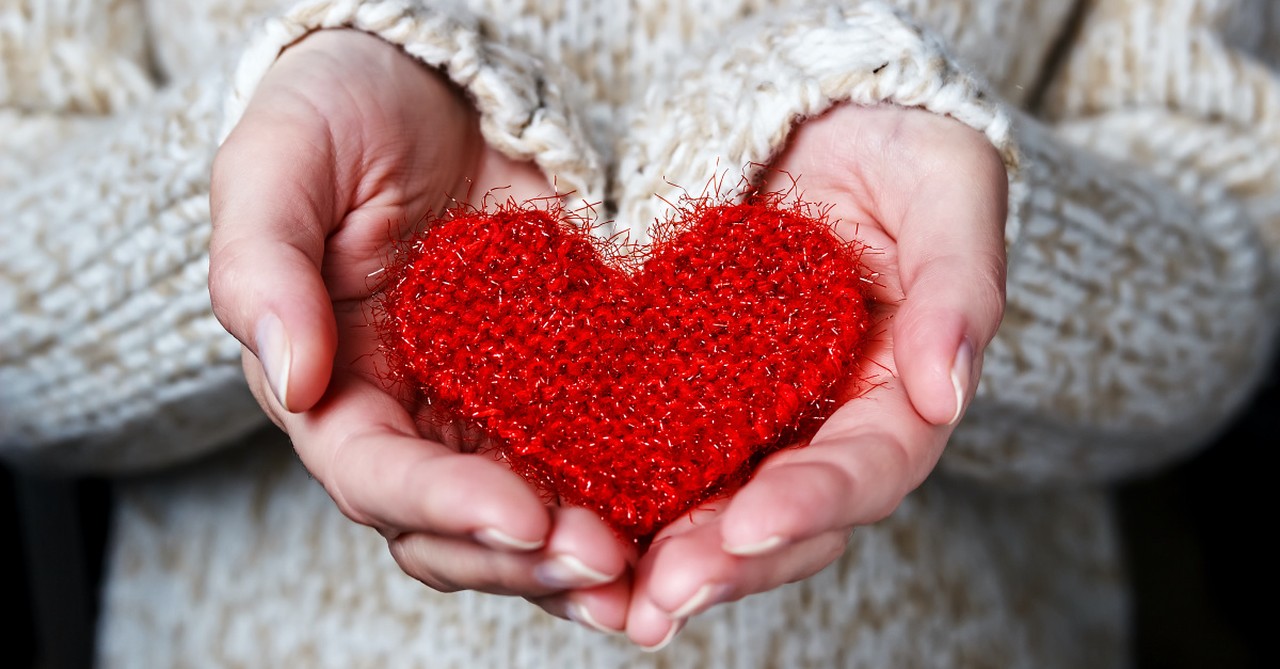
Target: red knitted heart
[(637, 388)]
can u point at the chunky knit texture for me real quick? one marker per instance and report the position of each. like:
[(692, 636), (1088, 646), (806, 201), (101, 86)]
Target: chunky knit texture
[(1144, 252)]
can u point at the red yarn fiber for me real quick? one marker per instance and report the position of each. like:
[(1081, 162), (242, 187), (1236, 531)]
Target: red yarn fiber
[(638, 388)]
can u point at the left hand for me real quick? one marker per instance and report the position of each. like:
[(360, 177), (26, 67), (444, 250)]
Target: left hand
[(347, 145), (928, 196)]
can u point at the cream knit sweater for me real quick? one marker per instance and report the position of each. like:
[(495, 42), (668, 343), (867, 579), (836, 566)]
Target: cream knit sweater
[(1144, 253)]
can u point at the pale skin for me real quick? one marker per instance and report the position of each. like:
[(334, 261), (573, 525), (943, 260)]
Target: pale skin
[(347, 140)]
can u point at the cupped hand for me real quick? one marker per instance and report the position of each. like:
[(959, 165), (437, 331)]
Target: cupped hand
[(346, 146), (928, 196)]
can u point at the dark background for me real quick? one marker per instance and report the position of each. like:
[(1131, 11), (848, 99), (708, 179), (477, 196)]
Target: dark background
[(1193, 534)]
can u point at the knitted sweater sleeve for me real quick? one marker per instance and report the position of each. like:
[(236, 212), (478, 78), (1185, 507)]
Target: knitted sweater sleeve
[(1142, 296), (522, 112), (109, 354), (1141, 308), (1141, 241), (110, 357), (734, 108)]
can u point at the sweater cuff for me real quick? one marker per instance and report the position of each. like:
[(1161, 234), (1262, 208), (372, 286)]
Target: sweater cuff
[(522, 112), (738, 107)]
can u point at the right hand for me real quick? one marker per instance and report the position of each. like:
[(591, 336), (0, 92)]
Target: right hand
[(347, 145), (926, 195)]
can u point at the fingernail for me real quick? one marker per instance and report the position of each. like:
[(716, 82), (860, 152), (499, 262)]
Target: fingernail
[(567, 571), (581, 615), (707, 596), (666, 640), (961, 369), (494, 538), (758, 548), (275, 355)]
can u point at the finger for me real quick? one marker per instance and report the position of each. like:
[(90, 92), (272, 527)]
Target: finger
[(448, 564), (602, 609), (855, 471), (689, 573), (271, 210), (648, 626), (363, 447), (581, 553), (951, 265), (260, 388)]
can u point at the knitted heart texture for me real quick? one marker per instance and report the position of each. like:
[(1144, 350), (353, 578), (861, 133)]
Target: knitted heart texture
[(637, 385)]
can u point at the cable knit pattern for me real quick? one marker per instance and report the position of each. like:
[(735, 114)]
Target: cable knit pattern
[(1142, 300)]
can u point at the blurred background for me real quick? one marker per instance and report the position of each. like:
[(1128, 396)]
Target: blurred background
[(1193, 534)]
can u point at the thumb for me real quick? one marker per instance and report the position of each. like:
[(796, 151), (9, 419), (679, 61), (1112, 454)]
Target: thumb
[(938, 189), (951, 265), (271, 213)]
